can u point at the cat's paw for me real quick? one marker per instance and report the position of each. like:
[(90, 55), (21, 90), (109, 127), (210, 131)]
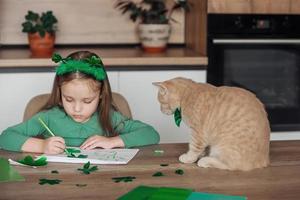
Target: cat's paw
[(188, 158), (211, 162)]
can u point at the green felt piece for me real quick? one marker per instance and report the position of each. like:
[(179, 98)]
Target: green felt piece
[(49, 181), (164, 165), (28, 160), (139, 193), (158, 174), (179, 171), (123, 179), (177, 116), (81, 185), (8, 173), (87, 168), (170, 193), (54, 172), (210, 196)]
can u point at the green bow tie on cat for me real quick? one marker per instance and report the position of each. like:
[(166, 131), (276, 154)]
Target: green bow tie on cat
[(177, 116)]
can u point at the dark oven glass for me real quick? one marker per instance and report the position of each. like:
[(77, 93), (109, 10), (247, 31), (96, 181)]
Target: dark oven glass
[(265, 61)]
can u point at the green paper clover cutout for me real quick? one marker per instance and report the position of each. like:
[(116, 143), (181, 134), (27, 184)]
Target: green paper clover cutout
[(56, 58), (49, 181), (158, 174), (87, 169), (28, 160), (123, 179), (71, 153), (179, 171)]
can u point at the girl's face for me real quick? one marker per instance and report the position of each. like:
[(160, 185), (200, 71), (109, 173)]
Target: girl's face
[(80, 99)]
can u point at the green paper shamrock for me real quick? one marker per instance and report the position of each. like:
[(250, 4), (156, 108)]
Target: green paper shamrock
[(71, 153), (49, 181), (87, 169), (123, 179), (177, 116), (81, 185), (158, 174), (56, 58), (28, 160), (164, 164), (179, 171)]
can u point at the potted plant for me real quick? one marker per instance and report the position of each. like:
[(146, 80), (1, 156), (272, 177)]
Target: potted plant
[(154, 20), (41, 33)]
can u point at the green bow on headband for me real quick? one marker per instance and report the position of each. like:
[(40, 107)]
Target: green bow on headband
[(92, 66)]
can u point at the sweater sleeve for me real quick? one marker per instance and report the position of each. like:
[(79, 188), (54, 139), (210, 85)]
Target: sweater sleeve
[(133, 132), (14, 137)]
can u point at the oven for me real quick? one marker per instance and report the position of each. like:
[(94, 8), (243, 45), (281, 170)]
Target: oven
[(260, 53)]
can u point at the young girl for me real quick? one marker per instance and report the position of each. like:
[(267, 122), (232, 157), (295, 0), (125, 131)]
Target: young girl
[(79, 113)]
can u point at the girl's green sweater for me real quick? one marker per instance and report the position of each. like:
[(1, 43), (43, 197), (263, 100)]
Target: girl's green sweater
[(133, 132)]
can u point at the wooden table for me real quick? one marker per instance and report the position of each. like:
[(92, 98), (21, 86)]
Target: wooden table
[(281, 180)]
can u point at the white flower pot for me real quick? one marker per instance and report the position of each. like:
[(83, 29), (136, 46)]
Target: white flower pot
[(154, 37)]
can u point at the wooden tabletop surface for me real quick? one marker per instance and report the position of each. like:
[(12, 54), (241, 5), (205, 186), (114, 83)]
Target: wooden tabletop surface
[(281, 180)]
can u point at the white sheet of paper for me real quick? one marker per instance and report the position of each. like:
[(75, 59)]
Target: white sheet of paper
[(97, 156)]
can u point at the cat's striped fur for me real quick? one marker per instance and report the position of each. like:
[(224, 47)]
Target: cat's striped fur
[(229, 125)]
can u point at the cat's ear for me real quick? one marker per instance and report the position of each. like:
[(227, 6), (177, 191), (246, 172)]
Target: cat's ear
[(162, 88)]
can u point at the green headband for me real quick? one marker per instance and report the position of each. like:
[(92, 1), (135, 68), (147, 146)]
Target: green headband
[(92, 66)]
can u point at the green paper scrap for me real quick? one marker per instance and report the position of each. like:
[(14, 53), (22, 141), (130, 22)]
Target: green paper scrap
[(44, 181), (177, 116), (54, 172), (139, 193), (156, 193), (81, 185), (28, 160), (123, 179), (210, 196), (164, 165), (158, 174), (170, 193), (158, 152), (179, 171), (8, 173), (87, 169)]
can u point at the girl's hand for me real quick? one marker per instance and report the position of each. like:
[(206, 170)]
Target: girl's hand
[(102, 142), (54, 145)]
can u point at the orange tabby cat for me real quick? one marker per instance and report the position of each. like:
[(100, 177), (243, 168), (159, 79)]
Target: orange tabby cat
[(230, 128)]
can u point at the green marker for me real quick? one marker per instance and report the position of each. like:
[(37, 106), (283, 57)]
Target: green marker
[(48, 129)]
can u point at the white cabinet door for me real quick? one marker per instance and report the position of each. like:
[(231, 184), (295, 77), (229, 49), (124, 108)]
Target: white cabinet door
[(137, 88)]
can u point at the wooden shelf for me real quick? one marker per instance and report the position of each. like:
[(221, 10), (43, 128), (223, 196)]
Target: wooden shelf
[(11, 57)]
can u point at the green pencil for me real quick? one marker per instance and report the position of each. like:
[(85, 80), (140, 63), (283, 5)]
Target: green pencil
[(48, 129)]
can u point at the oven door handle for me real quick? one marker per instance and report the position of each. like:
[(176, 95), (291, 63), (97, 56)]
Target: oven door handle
[(256, 41)]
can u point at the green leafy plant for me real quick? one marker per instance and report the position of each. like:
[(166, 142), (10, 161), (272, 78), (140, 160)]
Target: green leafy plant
[(151, 11), (39, 23)]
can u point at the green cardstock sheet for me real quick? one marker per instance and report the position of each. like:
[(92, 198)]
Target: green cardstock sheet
[(8, 173), (162, 193), (210, 196), (139, 193), (156, 193)]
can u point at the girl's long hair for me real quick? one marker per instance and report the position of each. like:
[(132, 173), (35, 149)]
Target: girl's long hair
[(105, 103)]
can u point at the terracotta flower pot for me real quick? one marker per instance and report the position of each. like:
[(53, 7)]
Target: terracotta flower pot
[(154, 37), (41, 46)]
